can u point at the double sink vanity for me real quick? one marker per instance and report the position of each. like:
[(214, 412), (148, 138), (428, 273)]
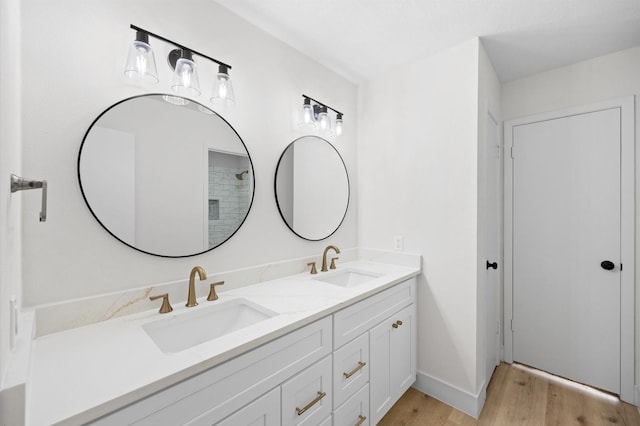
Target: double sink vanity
[(335, 347), (329, 347)]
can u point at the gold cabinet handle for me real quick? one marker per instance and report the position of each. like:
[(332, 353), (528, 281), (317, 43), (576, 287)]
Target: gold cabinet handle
[(166, 306), (355, 370), (301, 411), (361, 420), (396, 324), (399, 322), (212, 291)]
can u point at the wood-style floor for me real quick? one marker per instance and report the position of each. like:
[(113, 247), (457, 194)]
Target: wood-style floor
[(519, 396)]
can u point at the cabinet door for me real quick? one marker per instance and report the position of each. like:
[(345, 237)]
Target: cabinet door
[(306, 397), (403, 352), (392, 353), (264, 411)]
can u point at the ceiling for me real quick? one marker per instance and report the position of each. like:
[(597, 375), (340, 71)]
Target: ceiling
[(362, 39)]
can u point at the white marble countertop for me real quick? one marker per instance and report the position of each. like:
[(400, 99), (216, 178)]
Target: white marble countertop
[(81, 374)]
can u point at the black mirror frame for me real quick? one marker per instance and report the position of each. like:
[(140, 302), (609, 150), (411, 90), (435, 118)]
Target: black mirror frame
[(275, 188), (119, 239)]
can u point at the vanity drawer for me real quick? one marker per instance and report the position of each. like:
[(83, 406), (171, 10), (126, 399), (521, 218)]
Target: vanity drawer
[(214, 394), (350, 368), (326, 422), (263, 411), (306, 398), (355, 411), (360, 317)]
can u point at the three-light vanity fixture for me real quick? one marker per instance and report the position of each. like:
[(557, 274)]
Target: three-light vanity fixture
[(315, 113), (141, 65)]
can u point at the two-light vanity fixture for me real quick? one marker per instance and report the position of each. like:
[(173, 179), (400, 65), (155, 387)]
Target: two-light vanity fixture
[(141, 65), (316, 114)]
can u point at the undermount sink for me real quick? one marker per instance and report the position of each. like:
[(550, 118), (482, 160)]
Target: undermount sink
[(348, 277), (203, 324)]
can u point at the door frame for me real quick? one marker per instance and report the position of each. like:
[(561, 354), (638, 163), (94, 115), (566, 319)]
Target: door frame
[(627, 230), (495, 162)]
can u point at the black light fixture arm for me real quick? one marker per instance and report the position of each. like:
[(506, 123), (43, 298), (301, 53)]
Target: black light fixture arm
[(166, 40), (324, 105)]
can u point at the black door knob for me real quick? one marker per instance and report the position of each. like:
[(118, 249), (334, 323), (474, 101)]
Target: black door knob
[(607, 264), (493, 265)]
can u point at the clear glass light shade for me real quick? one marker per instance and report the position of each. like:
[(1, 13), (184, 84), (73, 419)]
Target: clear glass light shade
[(185, 78), (176, 100), (141, 63), (307, 115), (324, 121), (338, 126), (222, 88)]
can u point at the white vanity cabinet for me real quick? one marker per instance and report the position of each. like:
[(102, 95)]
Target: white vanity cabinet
[(214, 394), (347, 368), (376, 338)]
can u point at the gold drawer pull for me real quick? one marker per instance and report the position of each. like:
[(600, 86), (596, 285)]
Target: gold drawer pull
[(301, 411), (361, 420), (355, 370), (396, 324)]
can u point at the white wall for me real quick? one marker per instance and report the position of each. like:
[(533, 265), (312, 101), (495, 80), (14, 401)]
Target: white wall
[(418, 174), (73, 58), (602, 78), (10, 204)]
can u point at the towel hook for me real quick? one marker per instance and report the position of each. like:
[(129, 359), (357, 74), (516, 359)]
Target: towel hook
[(21, 184)]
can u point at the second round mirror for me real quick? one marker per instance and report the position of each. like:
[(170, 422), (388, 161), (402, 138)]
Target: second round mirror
[(312, 188)]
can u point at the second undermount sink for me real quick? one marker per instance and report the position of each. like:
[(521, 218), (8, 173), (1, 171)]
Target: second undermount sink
[(348, 277), (203, 324)]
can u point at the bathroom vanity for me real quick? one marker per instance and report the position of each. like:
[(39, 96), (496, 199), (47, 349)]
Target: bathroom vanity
[(334, 348)]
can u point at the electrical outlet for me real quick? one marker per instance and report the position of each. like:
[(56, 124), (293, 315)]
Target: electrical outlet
[(398, 243)]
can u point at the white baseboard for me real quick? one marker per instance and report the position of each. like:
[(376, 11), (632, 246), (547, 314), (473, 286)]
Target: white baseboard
[(451, 395)]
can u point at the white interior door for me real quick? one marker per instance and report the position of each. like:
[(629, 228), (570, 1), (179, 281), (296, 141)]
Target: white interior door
[(493, 220), (566, 222)]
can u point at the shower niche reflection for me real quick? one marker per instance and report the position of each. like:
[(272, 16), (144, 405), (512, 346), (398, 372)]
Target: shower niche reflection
[(229, 193)]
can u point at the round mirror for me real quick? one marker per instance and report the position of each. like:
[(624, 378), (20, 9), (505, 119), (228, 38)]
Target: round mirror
[(166, 175), (312, 188)]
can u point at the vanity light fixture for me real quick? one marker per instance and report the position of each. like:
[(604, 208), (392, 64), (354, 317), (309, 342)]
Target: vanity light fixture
[(338, 124), (323, 119), (222, 88), (141, 65), (141, 62), (185, 75), (317, 113), (307, 112)]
